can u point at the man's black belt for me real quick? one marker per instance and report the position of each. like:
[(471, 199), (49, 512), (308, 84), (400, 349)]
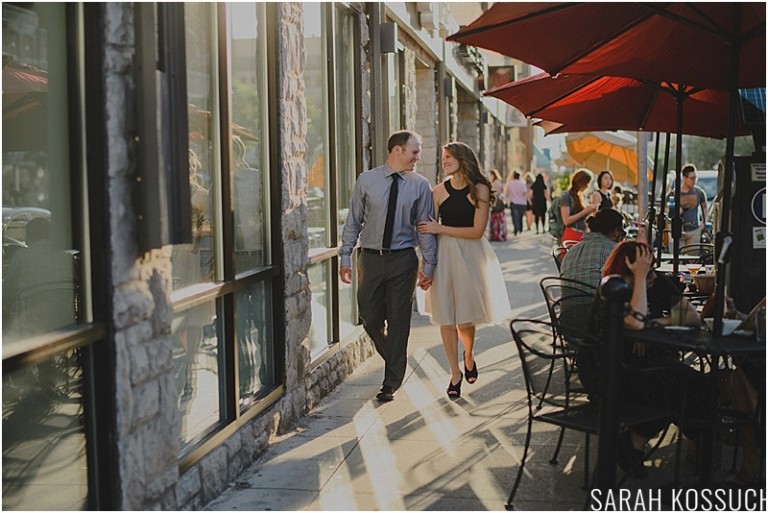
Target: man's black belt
[(383, 251)]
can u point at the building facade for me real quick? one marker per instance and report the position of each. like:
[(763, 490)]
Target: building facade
[(175, 179)]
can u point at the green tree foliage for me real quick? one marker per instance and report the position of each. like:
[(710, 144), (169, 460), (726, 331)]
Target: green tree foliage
[(702, 151), (562, 183)]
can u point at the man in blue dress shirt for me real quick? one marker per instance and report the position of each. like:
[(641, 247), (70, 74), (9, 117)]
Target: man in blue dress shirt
[(388, 265)]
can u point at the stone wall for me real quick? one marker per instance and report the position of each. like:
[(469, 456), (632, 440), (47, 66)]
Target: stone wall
[(147, 420), (468, 119), (410, 102), (426, 123)]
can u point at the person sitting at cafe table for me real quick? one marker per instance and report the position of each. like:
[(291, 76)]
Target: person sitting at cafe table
[(584, 263), (650, 373)]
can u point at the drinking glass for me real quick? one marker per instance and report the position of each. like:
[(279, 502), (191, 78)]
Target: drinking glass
[(693, 268)]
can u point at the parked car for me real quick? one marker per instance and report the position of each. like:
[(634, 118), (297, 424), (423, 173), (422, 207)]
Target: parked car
[(15, 221)]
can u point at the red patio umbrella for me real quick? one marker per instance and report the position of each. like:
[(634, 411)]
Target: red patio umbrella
[(579, 103), (706, 45), (680, 42)]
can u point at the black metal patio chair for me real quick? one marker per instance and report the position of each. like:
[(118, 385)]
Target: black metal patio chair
[(546, 367)]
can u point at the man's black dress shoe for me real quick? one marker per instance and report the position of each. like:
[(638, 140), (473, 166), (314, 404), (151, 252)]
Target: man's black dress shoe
[(386, 394)]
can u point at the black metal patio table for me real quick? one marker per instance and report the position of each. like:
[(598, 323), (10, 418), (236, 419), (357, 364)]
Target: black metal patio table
[(698, 340), (703, 343)]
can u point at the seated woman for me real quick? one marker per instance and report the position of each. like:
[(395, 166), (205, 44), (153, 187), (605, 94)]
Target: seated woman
[(650, 373)]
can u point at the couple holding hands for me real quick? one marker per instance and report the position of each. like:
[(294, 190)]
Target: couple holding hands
[(393, 210)]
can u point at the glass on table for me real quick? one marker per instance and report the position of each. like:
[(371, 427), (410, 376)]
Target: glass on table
[(693, 267)]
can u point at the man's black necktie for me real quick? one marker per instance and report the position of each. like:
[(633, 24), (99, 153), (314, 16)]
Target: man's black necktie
[(386, 241)]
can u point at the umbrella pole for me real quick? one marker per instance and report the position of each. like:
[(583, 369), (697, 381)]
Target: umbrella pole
[(677, 222), (662, 224), (652, 202), (642, 179)]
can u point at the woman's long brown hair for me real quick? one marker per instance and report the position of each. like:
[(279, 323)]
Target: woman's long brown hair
[(469, 168), (579, 181)]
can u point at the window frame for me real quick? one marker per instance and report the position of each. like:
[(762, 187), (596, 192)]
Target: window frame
[(229, 282), (330, 253)]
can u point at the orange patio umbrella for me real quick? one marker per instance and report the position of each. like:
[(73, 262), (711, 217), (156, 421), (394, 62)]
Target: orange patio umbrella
[(612, 151)]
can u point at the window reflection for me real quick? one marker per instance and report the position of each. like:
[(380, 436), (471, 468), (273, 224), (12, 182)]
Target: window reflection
[(40, 262), (248, 135), (346, 46), (393, 91), (194, 263), (319, 335), (347, 310), (346, 121), (316, 94), (44, 451), (196, 369), (195, 331), (254, 343)]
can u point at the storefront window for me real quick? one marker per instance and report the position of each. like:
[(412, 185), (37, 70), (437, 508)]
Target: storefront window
[(45, 464), (331, 175), (213, 292), (255, 354), (195, 263), (41, 278), (249, 155), (346, 135), (319, 334), (316, 94)]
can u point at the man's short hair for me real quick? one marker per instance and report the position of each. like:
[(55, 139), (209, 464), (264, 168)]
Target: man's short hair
[(401, 138), (688, 169)]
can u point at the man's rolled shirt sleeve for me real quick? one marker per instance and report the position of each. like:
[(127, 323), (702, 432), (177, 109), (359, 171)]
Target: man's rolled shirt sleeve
[(427, 241), (352, 226)]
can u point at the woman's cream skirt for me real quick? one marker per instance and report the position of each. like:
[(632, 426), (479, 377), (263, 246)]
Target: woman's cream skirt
[(468, 286)]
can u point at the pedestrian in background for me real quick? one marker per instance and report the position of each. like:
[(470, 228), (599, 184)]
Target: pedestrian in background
[(517, 197), (468, 287), (498, 214), (691, 198), (572, 209), (602, 195), (539, 199), (387, 204), (528, 200)]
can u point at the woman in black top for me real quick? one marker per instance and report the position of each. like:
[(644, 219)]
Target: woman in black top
[(467, 286), (602, 195), (539, 200)]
